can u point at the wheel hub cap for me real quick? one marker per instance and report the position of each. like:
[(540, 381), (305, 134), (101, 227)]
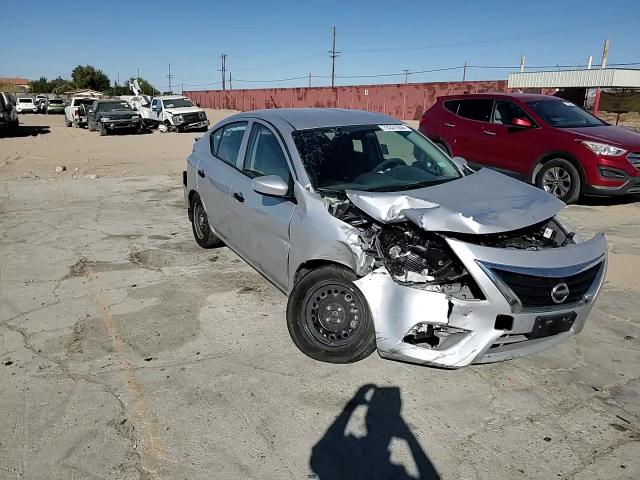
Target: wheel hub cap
[(557, 181)]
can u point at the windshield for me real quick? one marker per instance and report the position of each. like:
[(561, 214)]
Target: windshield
[(113, 106), (371, 158), (563, 114), (177, 103)]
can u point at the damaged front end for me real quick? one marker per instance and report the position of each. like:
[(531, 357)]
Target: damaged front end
[(470, 295)]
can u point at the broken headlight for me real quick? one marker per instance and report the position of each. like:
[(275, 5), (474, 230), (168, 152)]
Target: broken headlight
[(178, 119)]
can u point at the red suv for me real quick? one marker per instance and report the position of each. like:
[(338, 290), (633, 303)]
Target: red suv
[(541, 139)]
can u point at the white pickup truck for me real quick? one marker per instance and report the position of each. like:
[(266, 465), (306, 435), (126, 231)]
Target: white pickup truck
[(76, 112), (175, 112)]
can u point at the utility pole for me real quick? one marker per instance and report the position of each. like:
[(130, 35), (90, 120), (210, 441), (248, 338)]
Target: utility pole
[(223, 67), (230, 85), (309, 80), (522, 60), (605, 53), (182, 89), (406, 76), (603, 64), (464, 72), (170, 77), (118, 79), (333, 56)]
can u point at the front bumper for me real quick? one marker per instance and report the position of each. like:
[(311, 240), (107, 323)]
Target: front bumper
[(397, 309), (193, 125), (122, 124)]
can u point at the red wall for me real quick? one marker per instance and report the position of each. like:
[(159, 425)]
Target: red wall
[(404, 101)]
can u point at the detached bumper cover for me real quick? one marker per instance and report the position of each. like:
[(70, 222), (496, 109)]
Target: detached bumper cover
[(397, 309)]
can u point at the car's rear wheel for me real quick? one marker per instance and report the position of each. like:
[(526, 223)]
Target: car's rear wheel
[(67, 122), (442, 147), (328, 316), (561, 179), (200, 225)]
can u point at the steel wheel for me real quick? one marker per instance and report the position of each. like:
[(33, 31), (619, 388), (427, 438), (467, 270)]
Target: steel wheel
[(557, 182), (199, 221), (332, 314)]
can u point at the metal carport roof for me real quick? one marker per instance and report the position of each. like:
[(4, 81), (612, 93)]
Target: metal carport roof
[(585, 78)]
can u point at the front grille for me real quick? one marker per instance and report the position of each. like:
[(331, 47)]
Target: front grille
[(634, 158), (536, 291), (191, 117)]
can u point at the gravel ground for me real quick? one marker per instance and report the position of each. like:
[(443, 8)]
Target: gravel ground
[(126, 352)]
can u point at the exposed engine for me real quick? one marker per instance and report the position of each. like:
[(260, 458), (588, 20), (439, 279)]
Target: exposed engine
[(547, 234), (424, 260), (411, 256)]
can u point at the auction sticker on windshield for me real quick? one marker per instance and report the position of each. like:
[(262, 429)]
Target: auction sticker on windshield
[(394, 128)]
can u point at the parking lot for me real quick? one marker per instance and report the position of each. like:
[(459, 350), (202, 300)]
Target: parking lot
[(129, 352)]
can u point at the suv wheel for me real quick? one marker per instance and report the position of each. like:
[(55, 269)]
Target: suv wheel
[(561, 179), (328, 317), (200, 225)]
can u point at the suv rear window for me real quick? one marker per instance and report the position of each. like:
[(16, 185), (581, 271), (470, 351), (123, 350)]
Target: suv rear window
[(452, 105), (477, 109)]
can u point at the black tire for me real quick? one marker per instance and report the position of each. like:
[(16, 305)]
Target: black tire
[(67, 122), (442, 147), (89, 127), (102, 130), (347, 334), (561, 179), (200, 225)]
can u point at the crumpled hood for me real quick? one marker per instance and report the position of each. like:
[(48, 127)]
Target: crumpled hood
[(182, 110), (480, 203)]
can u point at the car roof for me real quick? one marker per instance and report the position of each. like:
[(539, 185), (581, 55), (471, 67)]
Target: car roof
[(523, 97), (168, 97), (305, 118)]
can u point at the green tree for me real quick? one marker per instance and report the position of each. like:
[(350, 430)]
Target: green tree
[(58, 85), (87, 76), (39, 86)]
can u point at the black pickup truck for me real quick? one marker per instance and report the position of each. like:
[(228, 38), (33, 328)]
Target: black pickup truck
[(107, 116)]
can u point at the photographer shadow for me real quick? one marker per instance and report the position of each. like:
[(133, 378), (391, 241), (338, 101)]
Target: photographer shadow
[(340, 454)]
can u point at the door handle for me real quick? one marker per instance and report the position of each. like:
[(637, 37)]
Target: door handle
[(201, 173), (446, 124), (238, 196), (487, 132)]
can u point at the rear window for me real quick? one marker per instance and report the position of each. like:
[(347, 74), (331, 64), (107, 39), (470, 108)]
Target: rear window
[(479, 109), (225, 142), (25, 100), (452, 105), (55, 102)]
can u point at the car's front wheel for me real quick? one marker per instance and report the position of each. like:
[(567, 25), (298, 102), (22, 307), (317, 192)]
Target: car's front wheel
[(561, 179), (200, 225), (328, 316)]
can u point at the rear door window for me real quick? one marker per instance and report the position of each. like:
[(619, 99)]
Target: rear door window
[(477, 109), (225, 142)]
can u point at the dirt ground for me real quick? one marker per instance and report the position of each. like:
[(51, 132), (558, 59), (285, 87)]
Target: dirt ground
[(127, 352)]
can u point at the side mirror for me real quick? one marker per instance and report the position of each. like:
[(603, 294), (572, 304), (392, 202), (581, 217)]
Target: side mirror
[(462, 165), (521, 122), (270, 185)]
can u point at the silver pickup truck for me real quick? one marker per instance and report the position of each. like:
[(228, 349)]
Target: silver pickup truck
[(75, 114)]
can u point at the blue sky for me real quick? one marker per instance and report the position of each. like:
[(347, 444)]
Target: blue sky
[(284, 39)]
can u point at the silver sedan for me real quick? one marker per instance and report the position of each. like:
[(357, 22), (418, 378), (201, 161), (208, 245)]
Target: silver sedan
[(380, 240)]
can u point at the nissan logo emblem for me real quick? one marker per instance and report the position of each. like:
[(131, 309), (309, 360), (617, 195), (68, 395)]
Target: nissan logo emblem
[(559, 293)]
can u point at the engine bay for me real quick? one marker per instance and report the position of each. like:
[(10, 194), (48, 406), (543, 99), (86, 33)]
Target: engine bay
[(423, 259)]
